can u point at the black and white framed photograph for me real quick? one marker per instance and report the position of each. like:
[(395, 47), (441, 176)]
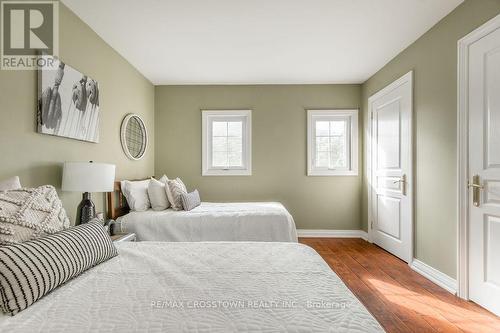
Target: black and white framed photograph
[(68, 102)]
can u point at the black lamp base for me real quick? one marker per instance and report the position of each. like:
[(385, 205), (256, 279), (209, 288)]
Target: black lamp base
[(86, 210)]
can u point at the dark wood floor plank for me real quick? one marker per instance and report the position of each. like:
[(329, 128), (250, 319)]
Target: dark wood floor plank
[(399, 292), (384, 287), (386, 318), (401, 299), (451, 307)]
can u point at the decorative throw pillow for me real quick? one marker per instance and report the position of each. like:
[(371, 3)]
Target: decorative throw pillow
[(190, 200), (174, 189), (136, 193), (30, 213), (33, 269), (12, 183), (157, 193)]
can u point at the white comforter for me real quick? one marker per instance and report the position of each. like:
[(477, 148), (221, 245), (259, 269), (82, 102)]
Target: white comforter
[(255, 221), (201, 287)]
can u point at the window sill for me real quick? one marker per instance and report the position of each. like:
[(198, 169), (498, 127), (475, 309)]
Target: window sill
[(332, 173), (229, 172)]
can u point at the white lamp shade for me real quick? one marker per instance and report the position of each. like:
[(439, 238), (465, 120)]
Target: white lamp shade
[(88, 177)]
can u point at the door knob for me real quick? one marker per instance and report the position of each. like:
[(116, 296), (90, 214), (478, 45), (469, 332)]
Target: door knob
[(476, 190), (402, 180)]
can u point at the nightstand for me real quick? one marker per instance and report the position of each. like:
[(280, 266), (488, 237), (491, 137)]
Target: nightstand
[(124, 238)]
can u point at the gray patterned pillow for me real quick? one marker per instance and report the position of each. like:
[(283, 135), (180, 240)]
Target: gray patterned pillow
[(30, 213), (33, 269), (190, 200), (174, 189)]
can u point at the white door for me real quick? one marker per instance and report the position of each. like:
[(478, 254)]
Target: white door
[(391, 164), (484, 171)]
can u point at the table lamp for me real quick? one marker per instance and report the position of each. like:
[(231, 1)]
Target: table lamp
[(87, 177)]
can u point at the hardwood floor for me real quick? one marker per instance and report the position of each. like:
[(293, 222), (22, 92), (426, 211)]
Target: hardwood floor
[(401, 299)]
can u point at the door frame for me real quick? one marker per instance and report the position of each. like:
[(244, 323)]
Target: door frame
[(408, 77), (463, 152)]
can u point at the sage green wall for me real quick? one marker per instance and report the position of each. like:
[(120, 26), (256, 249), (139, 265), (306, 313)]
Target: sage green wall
[(278, 148), (433, 58), (38, 158)]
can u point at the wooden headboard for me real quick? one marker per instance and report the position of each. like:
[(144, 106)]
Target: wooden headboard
[(117, 204)]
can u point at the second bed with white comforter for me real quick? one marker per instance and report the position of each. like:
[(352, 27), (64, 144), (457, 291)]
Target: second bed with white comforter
[(255, 221)]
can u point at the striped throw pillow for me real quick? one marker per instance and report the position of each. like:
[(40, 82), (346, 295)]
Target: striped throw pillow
[(175, 188), (31, 270), (190, 200)]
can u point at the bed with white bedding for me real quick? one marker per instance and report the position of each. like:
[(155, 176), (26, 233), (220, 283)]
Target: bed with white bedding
[(255, 221), (201, 287)]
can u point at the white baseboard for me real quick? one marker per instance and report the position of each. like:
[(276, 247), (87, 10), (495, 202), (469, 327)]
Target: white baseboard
[(332, 233), (438, 277)]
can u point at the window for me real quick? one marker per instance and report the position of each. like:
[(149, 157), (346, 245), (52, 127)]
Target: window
[(332, 142), (227, 144)]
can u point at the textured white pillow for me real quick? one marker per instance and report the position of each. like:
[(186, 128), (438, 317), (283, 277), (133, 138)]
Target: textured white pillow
[(29, 213), (136, 193), (158, 194), (175, 188), (12, 183)]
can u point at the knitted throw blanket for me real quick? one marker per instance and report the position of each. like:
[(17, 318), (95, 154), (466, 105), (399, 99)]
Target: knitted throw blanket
[(30, 213)]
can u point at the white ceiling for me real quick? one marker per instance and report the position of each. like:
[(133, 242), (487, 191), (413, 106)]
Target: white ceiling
[(260, 41)]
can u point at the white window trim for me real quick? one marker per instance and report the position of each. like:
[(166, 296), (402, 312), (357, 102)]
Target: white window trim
[(353, 152), (246, 170)]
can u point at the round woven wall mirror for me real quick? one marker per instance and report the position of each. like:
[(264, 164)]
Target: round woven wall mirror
[(134, 136)]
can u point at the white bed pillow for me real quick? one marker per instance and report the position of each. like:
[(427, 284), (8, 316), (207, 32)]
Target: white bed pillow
[(175, 188), (136, 193), (12, 183), (158, 194)]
